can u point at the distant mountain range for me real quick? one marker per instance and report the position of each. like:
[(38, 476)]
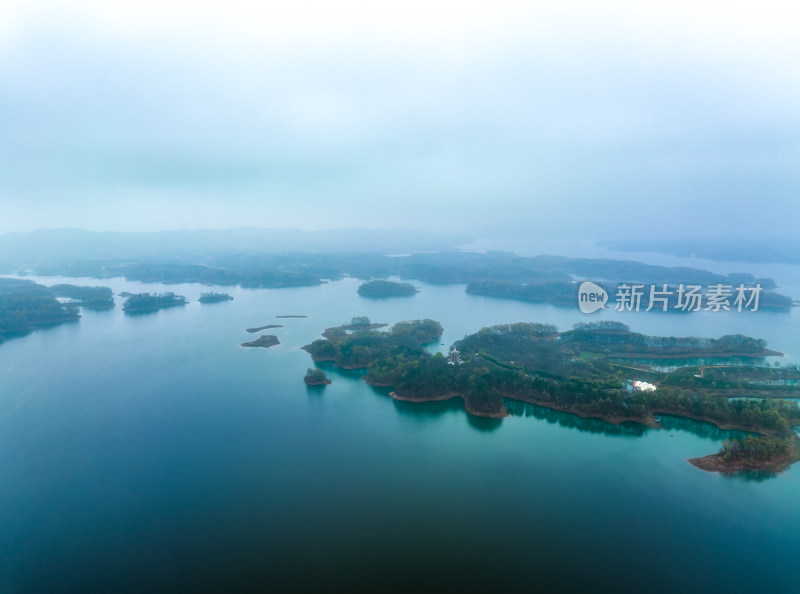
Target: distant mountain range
[(775, 250), (52, 246)]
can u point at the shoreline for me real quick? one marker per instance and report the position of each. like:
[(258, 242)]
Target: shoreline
[(501, 414), (709, 463), (715, 463)]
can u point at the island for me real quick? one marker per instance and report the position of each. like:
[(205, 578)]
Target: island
[(265, 341), (316, 377), (146, 302), (89, 297), (593, 370), (214, 297), (260, 328), (385, 288)]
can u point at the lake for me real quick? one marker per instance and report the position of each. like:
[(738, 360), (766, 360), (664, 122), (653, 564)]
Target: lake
[(151, 452)]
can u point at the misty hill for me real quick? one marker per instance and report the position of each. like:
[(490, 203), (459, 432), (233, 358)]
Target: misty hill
[(60, 246), (211, 257), (781, 250)]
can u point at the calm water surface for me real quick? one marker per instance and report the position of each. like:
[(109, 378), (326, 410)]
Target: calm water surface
[(151, 452)]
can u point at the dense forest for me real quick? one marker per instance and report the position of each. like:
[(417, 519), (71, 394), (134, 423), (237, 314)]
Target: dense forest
[(755, 447), (26, 305), (20, 312), (617, 339)]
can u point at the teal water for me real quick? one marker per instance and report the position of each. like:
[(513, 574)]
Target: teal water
[(151, 453)]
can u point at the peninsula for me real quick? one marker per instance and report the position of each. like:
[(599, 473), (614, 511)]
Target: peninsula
[(587, 371)]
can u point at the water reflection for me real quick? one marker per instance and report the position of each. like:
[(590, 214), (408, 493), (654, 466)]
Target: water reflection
[(484, 424), (571, 421), (140, 313), (439, 408), (329, 368), (701, 429), (755, 476), (428, 409)]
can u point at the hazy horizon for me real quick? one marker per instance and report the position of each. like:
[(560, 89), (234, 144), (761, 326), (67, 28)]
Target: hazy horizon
[(509, 119)]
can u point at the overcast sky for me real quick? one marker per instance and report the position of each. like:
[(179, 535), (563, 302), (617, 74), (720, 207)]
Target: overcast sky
[(631, 118)]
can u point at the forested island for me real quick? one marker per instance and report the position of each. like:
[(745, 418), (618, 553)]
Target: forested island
[(385, 288), (316, 377), (214, 297), (143, 302), (580, 371), (264, 341)]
